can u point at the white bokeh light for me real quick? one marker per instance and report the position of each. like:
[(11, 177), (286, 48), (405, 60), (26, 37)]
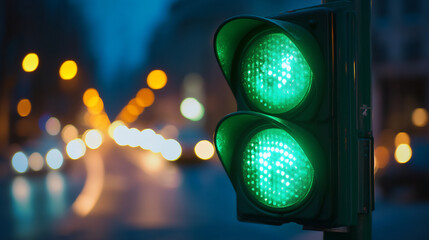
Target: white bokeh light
[(192, 109), (76, 148), (171, 150), (54, 158)]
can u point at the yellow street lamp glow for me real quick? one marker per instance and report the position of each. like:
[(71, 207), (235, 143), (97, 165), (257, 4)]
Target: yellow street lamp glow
[(402, 138), (76, 148), (24, 107), (69, 133), (403, 153), (192, 109), (35, 161), (157, 79), (204, 150), (30, 62), (420, 117), (68, 70), (93, 138), (53, 126)]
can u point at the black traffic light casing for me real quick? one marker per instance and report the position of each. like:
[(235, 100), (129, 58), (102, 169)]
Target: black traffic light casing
[(326, 125)]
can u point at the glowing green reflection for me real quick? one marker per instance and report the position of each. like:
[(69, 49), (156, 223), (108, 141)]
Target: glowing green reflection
[(275, 75), (276, 170)]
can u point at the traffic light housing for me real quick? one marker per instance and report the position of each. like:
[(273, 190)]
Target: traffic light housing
[(292, 150)]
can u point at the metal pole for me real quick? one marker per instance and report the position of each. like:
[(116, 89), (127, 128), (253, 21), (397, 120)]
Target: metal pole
[(362, 8), (362, 230)]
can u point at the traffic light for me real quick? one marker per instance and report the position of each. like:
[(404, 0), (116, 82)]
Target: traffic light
[(293, 150)]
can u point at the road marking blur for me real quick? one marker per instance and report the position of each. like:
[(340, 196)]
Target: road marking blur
[(93, 187)]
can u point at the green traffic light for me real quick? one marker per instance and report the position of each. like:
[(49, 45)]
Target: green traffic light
[(275, 75), (276, 171)]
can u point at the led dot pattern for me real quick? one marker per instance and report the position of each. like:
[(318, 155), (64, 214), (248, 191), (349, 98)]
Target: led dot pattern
[(276, 171), (275, 75)]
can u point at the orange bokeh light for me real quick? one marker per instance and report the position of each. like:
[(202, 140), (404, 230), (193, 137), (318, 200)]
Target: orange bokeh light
[(134, 108), (145, 97), (24, 107), (98, 108), (99, 121), (382, 155), (402, 138), (91, 97), (420, 117), (69, 133), (157, 79), (126, 117)]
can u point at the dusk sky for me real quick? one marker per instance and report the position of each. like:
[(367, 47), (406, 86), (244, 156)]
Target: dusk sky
[(120, 32)]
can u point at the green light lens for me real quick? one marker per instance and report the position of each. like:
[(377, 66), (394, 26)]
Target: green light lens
[(276, 170), (275, 75)]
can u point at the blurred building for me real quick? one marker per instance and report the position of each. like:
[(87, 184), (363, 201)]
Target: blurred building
[(55, 32), (400, 63), (400, 69)]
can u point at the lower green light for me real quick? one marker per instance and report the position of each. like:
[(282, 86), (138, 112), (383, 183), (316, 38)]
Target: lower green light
[(276, 170)]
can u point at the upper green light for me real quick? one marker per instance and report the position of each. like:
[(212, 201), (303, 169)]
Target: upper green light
[(276, 170), (275, 75)]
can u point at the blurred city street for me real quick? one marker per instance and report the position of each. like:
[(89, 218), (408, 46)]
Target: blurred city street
[(169, 201), (109, 111)]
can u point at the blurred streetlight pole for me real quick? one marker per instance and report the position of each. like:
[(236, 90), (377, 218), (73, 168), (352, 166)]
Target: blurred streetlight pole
[(7, 78)]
